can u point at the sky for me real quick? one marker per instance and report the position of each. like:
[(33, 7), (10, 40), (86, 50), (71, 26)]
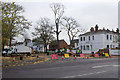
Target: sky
[(88, 13)]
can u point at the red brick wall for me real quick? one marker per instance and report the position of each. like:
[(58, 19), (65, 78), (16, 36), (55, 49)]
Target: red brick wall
[(63, 44)]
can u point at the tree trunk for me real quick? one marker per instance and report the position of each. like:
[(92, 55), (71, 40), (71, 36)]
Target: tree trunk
[(45, 48), (2, 47), (57, 33), (10, 41)]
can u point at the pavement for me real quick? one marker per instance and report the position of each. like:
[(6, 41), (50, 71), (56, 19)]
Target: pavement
[(68, 68)]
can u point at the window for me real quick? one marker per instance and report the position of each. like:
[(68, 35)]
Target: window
[(107, 37), (84, 47), (84, 38), (87, 47), (81, 47), (113, 46), (93, 37), (110, 46), (110, 37), (77, 44), (89, 37), (81, 38), (107, 46)]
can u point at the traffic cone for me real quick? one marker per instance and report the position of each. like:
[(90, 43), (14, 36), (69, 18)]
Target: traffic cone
[(13, 59), (75, 57), (62, 57)]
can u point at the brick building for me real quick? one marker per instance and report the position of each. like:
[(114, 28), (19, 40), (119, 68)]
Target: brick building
[(62, 44)]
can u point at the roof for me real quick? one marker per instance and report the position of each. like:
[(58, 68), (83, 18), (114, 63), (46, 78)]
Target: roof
[(75, 41), (99, 32), (55, 42)]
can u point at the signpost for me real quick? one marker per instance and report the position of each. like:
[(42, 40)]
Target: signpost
[(82, 55), (66, 55), (96, 55), (54, 56)]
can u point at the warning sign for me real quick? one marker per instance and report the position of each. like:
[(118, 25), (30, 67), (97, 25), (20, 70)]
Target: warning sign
[(66, 55), (54, 56), (82, 55), (96, 55), (106, 54)]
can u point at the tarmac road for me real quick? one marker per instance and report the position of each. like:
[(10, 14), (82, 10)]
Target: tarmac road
[(68, 68)]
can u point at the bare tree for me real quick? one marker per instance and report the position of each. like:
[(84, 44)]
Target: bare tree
[(44, 30), (58, 10), (72, 28)]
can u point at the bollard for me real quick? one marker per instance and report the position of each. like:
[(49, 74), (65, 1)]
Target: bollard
[(13, 59)]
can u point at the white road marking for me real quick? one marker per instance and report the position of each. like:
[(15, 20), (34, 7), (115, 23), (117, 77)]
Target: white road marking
[(100, 66), (105, 66), (84, 74)]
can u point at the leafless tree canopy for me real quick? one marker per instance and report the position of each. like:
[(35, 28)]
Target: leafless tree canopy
[(44, 30), (72, 27), (58, 10)]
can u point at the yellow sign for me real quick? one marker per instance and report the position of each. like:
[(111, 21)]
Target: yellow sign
[(66, 55), (106, 54)]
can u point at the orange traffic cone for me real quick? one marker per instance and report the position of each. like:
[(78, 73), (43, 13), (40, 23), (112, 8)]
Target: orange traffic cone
[(62, 57), (13, 59)]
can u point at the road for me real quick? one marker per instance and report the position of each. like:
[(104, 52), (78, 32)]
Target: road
[(69, 68)]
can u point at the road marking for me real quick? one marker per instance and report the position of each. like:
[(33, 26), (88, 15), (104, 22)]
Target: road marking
[(58, 67), (105, 66), (84, 74), (100, 66)]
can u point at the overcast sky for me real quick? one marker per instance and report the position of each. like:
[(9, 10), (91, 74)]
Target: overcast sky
[(88, 13)]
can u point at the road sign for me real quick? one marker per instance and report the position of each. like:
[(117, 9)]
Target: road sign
[(106, 54), (82, 55), (66, 55), (96, 55), (54, 56)]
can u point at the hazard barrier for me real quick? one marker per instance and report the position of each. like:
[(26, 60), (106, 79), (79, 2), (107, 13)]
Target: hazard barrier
[(106, 54), (96, 55), (54, 56), (66, 55), (82, 55)]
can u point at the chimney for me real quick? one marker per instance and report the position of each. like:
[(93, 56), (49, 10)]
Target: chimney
[(103, 28), (96, 28), (117, 30), (92, 29)]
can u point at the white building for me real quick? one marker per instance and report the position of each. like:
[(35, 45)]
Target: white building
[(98, 39)]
